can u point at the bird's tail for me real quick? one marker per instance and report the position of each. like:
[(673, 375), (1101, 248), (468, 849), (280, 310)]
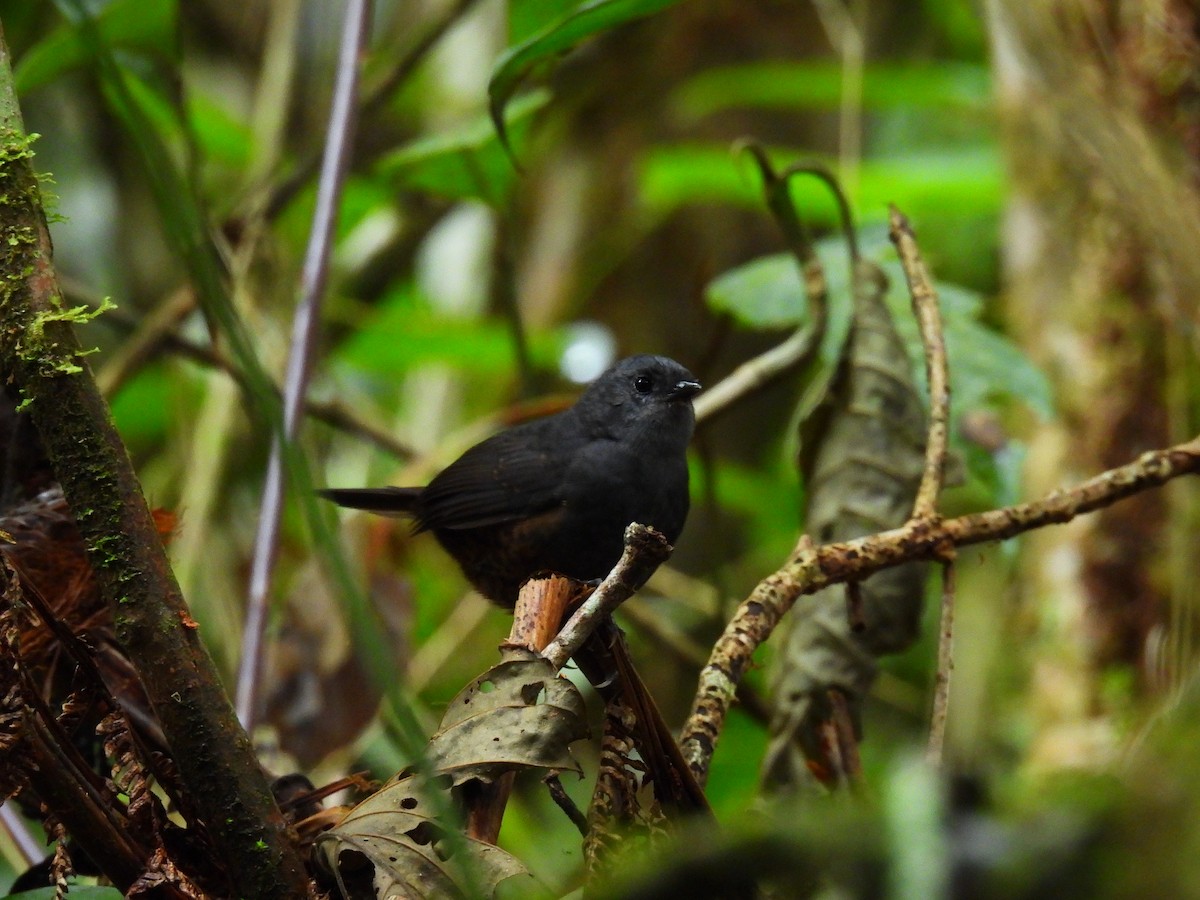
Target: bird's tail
[(605, 654), (386, 501)]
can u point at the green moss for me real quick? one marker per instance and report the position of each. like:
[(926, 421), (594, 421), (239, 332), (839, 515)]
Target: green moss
[(20, 202)]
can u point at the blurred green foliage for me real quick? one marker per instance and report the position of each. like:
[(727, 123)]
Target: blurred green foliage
[(624, 141)]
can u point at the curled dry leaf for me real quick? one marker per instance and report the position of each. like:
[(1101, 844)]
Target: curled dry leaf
[(862, 455), (517, 715), (398, 833)]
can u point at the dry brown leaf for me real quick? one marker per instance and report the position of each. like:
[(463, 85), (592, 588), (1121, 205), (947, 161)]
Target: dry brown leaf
[(518, 714), (397, 831)]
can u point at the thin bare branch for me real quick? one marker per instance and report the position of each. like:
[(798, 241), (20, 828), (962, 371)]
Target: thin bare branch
[(645, 550), (929, 320), (756, 373), (340, 136), (810, 568), (797, 349), (945, 665), (332, 413), (841, 725), (563, 801)]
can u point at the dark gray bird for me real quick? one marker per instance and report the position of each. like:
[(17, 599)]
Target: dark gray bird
[(556, 494)]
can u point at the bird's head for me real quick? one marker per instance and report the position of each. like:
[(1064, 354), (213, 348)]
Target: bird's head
[(641, 394)]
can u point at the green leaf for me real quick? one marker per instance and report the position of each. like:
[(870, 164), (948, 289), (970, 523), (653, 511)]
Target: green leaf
[(529, 17), (223, 137), (125, 24), (406, 332), (820, 85), (950, 183), (984, 364), (586, 20), (467, 162), (764, 293)]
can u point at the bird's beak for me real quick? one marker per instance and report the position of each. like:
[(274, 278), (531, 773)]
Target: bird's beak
[(684, 390)]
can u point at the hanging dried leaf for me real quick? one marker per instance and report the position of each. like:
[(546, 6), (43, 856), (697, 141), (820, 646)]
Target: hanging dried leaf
[(862, 452), (397, 831), (519, 714)]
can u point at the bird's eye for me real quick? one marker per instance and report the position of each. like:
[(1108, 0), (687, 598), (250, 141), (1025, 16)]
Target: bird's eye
[(643, 384)]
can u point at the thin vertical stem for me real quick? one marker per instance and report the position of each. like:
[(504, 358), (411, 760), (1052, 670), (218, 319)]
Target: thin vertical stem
[(929, 321), (945, 665), (304, 329)]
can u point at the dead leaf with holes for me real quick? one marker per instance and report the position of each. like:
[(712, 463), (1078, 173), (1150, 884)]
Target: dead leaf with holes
[(519, 714)]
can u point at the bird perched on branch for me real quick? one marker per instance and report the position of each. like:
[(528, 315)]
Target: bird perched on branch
[(556, 494)]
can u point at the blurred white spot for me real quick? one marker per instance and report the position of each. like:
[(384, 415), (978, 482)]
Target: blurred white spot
[(590, 350), (454, 262)]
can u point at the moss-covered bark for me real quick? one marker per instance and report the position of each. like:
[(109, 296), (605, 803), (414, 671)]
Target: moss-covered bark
[(41, 357)]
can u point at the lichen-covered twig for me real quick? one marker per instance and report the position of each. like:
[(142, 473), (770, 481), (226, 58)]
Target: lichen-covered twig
[(811, 568), (929, 320), (645, 550)]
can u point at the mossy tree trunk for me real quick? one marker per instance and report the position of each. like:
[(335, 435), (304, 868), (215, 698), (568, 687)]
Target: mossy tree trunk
[(41, 359)]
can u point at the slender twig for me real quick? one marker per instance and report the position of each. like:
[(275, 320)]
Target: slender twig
[(645, 549), (929, 320), (757, 373), (315, 272), (810, 568), (856, 613), (945, 665), (563, 800), (146, 334), (765, 368), (841, 721)]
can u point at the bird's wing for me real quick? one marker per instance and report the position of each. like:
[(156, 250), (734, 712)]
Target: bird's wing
[(510, 476)]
